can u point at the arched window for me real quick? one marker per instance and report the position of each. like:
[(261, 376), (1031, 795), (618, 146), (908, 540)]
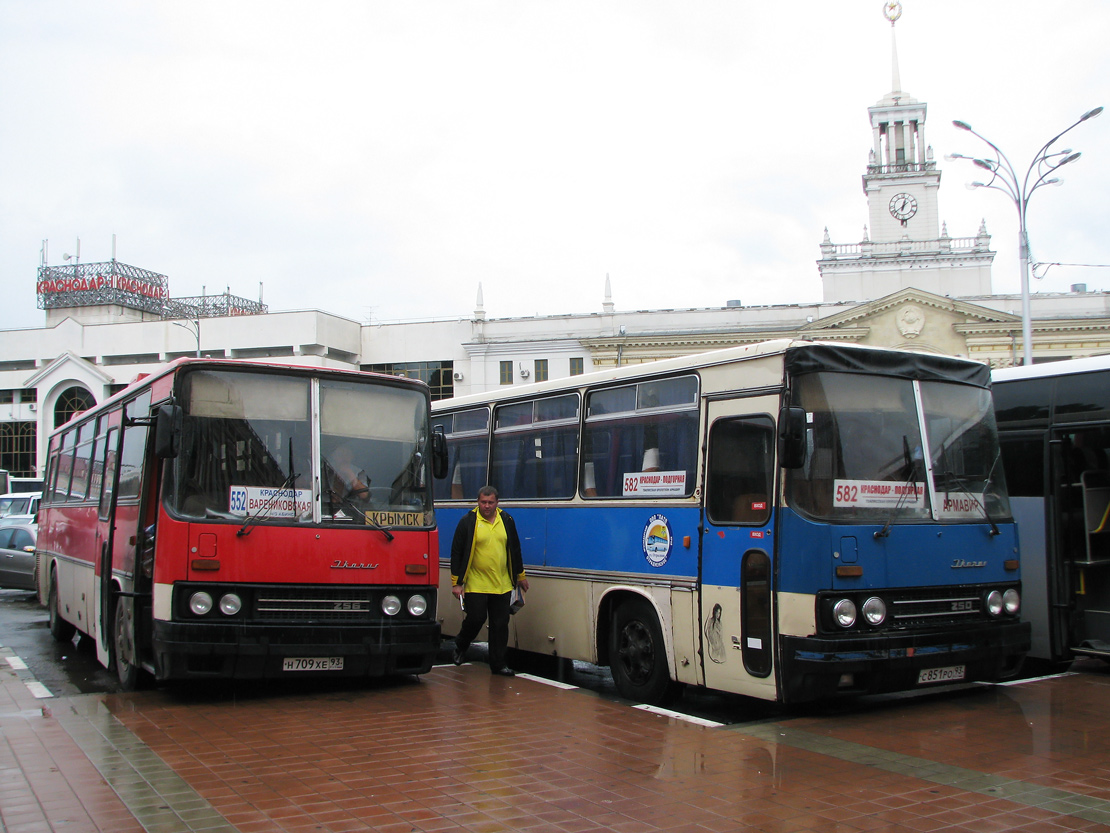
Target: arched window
[(71, 401)]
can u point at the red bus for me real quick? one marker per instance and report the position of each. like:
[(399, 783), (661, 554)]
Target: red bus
[(234, 519)]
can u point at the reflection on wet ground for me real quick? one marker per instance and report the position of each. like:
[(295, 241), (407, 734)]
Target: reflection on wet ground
[(460, 749)]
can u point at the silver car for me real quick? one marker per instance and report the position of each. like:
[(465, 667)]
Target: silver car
[(17, 556)]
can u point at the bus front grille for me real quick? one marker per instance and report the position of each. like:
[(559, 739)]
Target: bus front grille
[(944, 608), (329, 604)]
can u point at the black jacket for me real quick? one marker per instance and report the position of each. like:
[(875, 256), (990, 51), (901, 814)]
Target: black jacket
[(463, 544)]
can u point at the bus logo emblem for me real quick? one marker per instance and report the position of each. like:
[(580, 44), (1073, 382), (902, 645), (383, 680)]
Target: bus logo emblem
[(657, 540)]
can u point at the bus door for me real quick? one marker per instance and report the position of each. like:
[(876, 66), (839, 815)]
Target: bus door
[(1081, 484), (736, 549), (123, 527)]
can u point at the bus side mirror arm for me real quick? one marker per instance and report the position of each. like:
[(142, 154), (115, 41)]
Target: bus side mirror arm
[(439, 453), (167, 431), (792, 437)]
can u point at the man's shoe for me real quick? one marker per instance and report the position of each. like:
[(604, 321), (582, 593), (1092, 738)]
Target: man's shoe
[(458, 657), (504, 671)]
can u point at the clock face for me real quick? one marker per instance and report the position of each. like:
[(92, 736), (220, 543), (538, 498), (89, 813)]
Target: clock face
[(902, 207)]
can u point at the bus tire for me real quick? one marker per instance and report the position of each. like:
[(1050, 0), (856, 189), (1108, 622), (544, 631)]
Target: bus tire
[(60, 629), (123, 644), (638, 656)]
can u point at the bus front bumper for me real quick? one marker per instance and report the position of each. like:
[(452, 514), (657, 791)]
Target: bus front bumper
[(192, 650), (812, 668)]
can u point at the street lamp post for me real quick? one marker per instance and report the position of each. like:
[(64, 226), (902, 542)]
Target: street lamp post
[(1004, 178)]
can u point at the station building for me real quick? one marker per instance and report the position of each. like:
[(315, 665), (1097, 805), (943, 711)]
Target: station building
[(906, 284)]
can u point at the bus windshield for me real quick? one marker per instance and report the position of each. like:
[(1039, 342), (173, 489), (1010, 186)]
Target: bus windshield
[(865, 456), (247, 440)]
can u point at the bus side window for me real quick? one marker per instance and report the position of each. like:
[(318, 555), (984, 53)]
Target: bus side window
[(741, 453), (1023, 464)]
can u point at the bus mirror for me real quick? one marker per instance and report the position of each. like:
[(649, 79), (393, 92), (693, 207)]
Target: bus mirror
[(792, 437), (167, 431), (439, 453)]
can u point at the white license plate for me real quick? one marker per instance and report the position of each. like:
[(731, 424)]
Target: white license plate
[(312, 664), (941, 675)]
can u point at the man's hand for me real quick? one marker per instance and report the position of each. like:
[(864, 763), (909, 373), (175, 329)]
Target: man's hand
[(457, 591), (523, 584)]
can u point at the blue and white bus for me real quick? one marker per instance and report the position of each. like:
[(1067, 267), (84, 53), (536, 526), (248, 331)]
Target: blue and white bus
[(788, 520), (1054, 429)]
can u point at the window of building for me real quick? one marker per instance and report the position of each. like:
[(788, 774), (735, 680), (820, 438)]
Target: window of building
[(29, 395), (72, 401), (437, 375), (541, 370), (17, 448), (577, 367), (7, 396), (506, 373)]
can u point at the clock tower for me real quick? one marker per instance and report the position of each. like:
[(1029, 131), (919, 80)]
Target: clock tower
[(907, 245)]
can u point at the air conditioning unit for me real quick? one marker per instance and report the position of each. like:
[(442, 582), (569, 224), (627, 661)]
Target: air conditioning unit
[(457, 376), (525, 373), (31, 406)]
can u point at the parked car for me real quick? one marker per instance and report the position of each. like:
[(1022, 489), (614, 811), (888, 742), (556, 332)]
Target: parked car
[(19, 507), (17, 556)]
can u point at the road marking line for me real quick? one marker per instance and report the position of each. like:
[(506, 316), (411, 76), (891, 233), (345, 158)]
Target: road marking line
[(1033, 679), (16, 663), (712, 724), (545, 681), (38, 690)]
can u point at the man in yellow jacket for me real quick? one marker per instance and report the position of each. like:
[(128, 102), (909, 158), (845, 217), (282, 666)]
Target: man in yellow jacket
[(486, 564)]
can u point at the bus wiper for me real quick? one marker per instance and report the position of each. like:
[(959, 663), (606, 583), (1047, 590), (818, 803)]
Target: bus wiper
[(911, 471), (961, 483), (286, 485), (370, 522)]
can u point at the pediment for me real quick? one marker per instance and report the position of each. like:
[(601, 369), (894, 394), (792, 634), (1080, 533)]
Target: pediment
[(950, 309), (68, 366), (912, 319)]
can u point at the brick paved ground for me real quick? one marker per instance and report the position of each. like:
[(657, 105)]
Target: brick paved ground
[(460, 750)]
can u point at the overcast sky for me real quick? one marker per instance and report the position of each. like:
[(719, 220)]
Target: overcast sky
[(380, 159)]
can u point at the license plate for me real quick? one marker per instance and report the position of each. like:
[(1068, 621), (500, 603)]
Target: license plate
[(941, 675), (312, 664)]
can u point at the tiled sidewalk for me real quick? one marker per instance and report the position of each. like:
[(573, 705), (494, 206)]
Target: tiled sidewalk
[(463, 751)]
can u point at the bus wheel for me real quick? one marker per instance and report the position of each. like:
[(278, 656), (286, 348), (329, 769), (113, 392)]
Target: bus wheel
[(637, 655), (123, 644), (60, 629)]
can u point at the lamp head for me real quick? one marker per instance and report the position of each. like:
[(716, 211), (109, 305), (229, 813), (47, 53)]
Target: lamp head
[(1070, 158), (984, 164), (1090, 114), (962, 125)]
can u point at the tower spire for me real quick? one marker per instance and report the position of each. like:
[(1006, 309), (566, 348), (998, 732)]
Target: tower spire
[(892, 11)]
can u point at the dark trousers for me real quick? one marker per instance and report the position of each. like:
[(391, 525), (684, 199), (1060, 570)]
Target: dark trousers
[(479, 606)]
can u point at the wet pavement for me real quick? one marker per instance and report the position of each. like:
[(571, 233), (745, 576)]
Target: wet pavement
[(461, 750)]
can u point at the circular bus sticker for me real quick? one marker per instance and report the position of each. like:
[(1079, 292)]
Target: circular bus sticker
[(657, 540)]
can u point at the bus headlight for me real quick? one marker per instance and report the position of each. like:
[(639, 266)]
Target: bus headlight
[(874, 611), (418, 605), (1011, 600), (230, 604), (994, 603), (200, 603), (844, 613), (391, 605)]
